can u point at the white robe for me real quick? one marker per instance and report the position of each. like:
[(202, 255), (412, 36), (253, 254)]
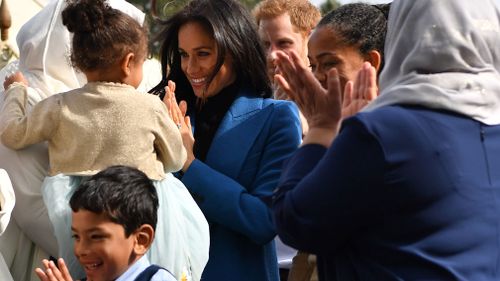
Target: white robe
[(7, 202), (44, 45)]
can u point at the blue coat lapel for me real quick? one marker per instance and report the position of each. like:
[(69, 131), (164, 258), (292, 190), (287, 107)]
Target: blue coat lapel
[(237, 133)]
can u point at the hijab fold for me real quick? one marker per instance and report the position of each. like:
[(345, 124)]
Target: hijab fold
[(443, 54)]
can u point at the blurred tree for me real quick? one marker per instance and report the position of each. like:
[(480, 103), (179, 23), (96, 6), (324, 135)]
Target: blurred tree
[(249, 3), (328, 6), (167, 7), (163, 9)]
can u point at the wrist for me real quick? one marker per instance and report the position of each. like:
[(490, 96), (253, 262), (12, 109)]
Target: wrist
[(320, 135), (16, 84), (188, 163)]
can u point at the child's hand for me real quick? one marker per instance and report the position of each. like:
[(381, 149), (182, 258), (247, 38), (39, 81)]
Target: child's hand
[(16, 77), (52, 273)]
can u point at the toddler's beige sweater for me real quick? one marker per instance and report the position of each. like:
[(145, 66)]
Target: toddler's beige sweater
[(93, 127)]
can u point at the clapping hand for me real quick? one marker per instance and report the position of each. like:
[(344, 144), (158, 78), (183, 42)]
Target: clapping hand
[(360, 93), (321, 107), (52, 273), (177, 113), (324, 108)]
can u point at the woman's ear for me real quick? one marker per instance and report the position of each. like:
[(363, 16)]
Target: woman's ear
[(144, 236), (126, 63), (375, 58)]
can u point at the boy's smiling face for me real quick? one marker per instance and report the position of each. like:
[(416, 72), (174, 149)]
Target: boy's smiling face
[(101, 246)]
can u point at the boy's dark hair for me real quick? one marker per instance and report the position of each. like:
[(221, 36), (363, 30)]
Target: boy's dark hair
[(126, 195), (102, 35), (361, 25), (235, 34)]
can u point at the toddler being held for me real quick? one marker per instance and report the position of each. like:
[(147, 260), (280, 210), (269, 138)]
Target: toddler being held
[(108, 122)]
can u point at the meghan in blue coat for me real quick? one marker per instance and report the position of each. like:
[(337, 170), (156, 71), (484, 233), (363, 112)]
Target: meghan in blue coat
[(241, 136)]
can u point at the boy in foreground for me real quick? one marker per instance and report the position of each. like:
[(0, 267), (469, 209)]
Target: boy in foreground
[(114, 220)]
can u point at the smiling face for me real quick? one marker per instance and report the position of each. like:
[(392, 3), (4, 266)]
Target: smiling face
[(278, 33), (101, 246), (198, 52), (326, 50)]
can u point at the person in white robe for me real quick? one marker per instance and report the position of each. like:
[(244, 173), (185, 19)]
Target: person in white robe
[(7, 202), (45, 46)]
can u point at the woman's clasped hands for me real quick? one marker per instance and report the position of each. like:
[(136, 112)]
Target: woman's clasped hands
[(323, 108)]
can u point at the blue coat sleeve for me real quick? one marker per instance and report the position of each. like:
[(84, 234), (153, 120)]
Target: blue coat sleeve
[(242, 208), (327, 195)]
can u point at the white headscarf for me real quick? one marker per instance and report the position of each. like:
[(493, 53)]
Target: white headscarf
[(45, 46), (443, 54)]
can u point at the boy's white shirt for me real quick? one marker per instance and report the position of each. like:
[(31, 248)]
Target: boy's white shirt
[(139, 266)]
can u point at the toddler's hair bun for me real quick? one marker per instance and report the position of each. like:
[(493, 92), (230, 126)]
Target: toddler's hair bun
[(85, 15)]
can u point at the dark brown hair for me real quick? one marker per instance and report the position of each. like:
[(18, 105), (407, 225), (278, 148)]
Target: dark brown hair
[(361, 25), (102, 35), (235, 34), (124, 194)]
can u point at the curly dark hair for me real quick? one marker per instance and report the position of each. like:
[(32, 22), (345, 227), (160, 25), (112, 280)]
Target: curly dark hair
[(102, 35), (235, 34), (126, 195), (361, 25)]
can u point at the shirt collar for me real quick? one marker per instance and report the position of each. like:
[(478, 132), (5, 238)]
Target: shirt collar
[(133, 271)]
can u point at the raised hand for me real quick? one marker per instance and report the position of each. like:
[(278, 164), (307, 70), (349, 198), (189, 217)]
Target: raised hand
[(52, 273), (321, 107), (177, 113), (360, 93)]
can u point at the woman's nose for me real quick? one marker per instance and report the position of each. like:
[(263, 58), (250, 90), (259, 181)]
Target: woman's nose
[(192, 65)]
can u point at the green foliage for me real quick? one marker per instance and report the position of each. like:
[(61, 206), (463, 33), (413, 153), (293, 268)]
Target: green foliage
[(165, 8), (168, 7), (328, 6), (249, 3)]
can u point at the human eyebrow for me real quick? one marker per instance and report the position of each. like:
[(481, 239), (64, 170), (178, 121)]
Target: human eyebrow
[(203, 47), (284, 40), (197, 48), (93, 229), (326, 54)]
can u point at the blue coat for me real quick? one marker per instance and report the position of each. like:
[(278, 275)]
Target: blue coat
[(242, 168), (403, 193)]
